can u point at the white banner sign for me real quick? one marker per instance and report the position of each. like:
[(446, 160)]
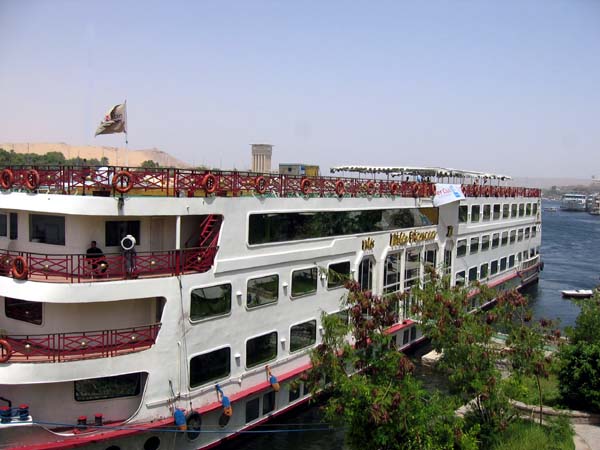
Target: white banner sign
[(447, 193)]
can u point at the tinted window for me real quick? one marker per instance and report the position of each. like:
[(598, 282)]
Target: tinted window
[(461, 247), (3, 225), (303, 335), (210, 301), (494, 267), (475, 213), (304, 282), (496, 212), (495, 240), (108, 387), (474, 245), (262, 291), (485, 242), (47, 229), (483, 270), (460, 278), (261, 349), (117, 230), (14, 226), (504, 237), (502, 264), (513, 210), (210, 366), (487, 212), (505, 211), (338, 274), (473, 274), (283, 227), (23, 310), (392, 273), (252, 409), (365, 274), (268, 402), (463, 212), (513, 236)]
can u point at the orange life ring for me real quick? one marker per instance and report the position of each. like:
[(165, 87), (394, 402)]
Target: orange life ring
[(340, 189), (7, 350), (394, 188), (32, 179), (123, 176), (7, 178), (19, 268), (370, 188), (260, 184), (209, 183), (305, 186)]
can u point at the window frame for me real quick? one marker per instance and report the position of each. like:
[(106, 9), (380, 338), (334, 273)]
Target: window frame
[(262, 305), (33, 228), (137, 234), (459, 246), (341, 284), (262, 361), (3, 224), (211, 380), (139, 388), (225, 314), (308, 293), (38, 305), (299, 349), (474, 248), (488, 240), (477, 214)]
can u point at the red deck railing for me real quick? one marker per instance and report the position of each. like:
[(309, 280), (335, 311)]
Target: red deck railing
[(78, 268), (180, 182), (60, 347)]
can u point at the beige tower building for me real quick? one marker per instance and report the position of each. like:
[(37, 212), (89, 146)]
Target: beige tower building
[(261, 158)]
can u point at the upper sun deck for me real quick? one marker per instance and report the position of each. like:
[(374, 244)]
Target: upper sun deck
[(170, 182)]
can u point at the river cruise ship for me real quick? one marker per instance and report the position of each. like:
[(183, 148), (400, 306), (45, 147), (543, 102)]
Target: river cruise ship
[(190, 318), (573, 202)]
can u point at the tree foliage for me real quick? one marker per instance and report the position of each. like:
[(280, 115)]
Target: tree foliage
[(49, 159), (371, 387)]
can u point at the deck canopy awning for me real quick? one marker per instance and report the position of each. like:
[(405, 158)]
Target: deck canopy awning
[(437, 172)]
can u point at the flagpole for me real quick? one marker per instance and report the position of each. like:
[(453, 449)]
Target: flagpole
[(126, 137)]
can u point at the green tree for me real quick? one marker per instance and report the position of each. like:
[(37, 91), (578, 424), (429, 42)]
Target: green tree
[(149, 164), (372, 390)]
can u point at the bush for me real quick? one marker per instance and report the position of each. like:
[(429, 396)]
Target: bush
[(579, 376)]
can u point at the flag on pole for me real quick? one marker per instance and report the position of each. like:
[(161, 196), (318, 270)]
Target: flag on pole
[(115, 121)]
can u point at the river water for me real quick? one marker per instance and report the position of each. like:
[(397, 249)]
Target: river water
[(570, 248)]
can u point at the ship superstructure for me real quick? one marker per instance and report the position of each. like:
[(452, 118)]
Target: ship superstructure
[(574, 202), (209, 287)]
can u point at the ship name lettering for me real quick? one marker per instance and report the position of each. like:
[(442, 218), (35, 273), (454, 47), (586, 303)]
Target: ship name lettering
[(412, 237)]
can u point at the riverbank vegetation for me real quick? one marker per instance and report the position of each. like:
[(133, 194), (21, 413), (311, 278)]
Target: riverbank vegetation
[(384, 407)]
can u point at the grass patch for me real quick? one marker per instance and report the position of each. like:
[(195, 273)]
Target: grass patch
[(524, 389), (526, 435)]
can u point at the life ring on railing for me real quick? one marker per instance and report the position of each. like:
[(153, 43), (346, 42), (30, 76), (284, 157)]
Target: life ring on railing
[(209, 183), (370, 188), (32, 179), (7, 178), (7, 350), (394, 188), (305, 186), (260, 184), (123, 181), (19, 268), (340, 189)]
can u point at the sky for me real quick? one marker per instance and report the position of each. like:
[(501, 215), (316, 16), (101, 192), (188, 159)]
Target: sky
[(509, 86)]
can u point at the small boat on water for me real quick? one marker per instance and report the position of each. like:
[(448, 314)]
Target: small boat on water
[(551, 209), (577, 293)]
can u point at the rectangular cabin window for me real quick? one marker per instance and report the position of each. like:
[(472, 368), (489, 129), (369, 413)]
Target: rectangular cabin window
[(337, 275), (497, 212), (528, 209), (365, 274), (304, 282), (475, 209), (506, 211), (534, 209), (511, 261), (474, 246), (463, 212), (23, 310), (47, 229), (527, 233), (473, 274), (513, 236), (521, 209), (513, 210), (261, 349), (128, 385), (268, 402), (412, 267), (210, 366), (533, 231), (461, 247), (502, 264), (14, 226), (252, 409), (293, 392), (504, 239), (485, 242), (303, 335), (392, 273), (494, 267), (487, 212), (460, 278), (282, 227), (3, 225), (483, 271), (262, 291), (520, 235), (495, 240), (343, 315), (210, 301), (116, 230)]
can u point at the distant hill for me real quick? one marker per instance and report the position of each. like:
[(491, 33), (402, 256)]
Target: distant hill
[(116, 156), (546, 183)]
